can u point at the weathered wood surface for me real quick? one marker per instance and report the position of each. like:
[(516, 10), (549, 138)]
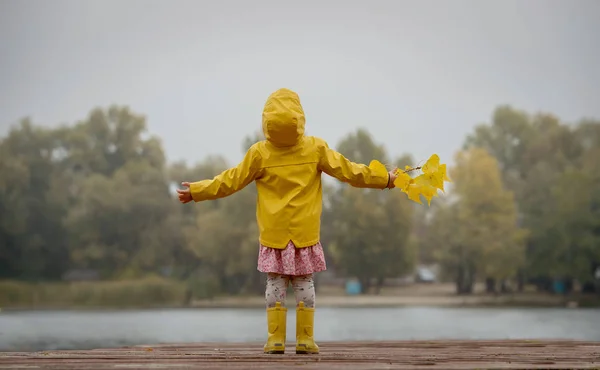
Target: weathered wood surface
[(504, 354)]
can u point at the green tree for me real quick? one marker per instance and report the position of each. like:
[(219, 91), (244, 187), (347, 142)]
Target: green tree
[(224, 236), (123, 224), (121, 219), (370, 229), (92, 195), (536, 154), (477, 232), (32, 239), (573, 222)]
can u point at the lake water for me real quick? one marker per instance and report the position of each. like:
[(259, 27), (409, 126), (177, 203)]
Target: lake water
[(47, 330)]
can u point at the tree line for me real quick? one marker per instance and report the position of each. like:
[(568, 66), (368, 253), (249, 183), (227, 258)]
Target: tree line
[(524, 206)]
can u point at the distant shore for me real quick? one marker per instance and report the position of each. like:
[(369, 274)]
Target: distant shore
[(160, 294), (374, 301), (360, 301), (414, 295)]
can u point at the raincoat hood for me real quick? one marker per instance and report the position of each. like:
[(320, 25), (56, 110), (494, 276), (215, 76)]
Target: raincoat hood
[(283, 118)]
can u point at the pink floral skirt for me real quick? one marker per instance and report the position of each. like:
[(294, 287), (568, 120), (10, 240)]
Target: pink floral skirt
[(292, 260)]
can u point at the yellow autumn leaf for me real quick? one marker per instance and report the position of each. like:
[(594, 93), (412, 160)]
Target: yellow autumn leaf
[(435, 179), (427, 184), (435, 172), (402, 181), (414, 193), (445, 174), (432, 165), (426, 188)]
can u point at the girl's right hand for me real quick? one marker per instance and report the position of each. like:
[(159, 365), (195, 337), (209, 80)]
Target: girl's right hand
[(185, 195)]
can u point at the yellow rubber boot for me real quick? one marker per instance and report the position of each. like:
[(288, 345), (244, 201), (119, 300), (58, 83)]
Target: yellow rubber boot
[(305, 342), (276, 320)]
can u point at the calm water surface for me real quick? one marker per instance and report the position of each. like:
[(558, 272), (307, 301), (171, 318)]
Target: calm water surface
[(32, 331)]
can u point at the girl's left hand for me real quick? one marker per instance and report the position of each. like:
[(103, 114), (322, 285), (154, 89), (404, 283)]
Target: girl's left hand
[(393, 177), (185, 195)]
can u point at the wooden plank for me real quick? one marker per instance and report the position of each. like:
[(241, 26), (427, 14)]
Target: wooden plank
[(456, 354)]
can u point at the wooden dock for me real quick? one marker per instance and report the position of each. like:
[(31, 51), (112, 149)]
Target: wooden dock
[(458, 354)]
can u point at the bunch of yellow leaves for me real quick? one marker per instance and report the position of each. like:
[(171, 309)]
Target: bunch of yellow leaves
[(426, 184)]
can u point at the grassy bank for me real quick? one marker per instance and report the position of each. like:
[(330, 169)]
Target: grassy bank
[(411, 295), (380, 301), (160, 292), (148, 292)]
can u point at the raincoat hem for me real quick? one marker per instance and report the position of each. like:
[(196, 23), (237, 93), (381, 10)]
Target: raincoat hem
[(305, 244)]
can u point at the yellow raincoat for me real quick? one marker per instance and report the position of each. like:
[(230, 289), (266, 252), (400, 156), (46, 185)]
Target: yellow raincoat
[(287, 170)]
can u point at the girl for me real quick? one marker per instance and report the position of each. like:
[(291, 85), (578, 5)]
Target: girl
[(287, 168)]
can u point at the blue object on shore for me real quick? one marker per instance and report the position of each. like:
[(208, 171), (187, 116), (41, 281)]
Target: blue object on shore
[(353, 287), (559, 286)]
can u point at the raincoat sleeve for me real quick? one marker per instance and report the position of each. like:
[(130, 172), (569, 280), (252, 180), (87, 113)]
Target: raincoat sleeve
[(228, 181), (358, 175)]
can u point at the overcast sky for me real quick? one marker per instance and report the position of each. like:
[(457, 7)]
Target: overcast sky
[(417, 74)]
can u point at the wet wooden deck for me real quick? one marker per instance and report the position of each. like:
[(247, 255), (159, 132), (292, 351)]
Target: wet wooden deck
[(336, 355)]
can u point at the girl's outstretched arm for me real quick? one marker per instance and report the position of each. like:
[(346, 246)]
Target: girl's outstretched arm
[(226, 183), (336, 165)]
